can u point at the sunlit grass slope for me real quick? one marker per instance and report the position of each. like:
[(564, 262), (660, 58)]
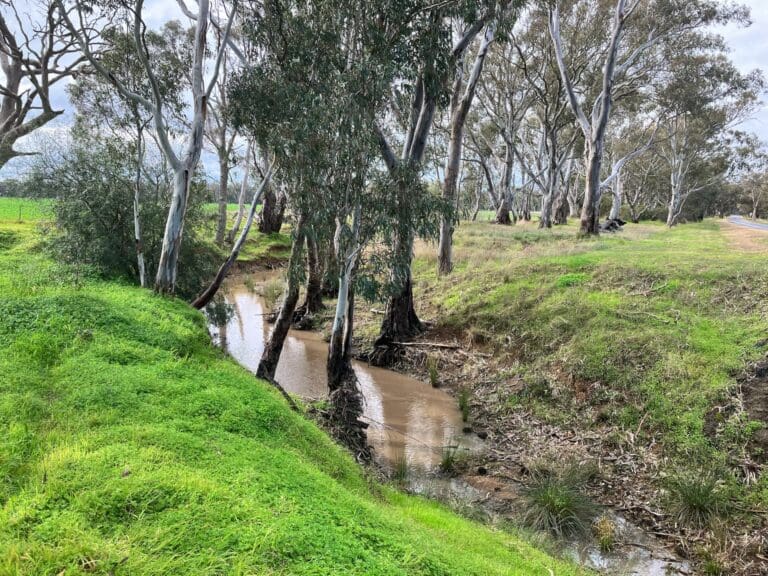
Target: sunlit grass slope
[(663, 321), (128, 445)]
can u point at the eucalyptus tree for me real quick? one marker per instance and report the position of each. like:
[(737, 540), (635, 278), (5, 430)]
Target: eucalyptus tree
[(246, 165), (644, 185), (504, 99), (625, 55), (462, 96), (219, 132), (88, 16), (320, 75), (704, 97), (37, 52), (425, 63), (549, 112), (100, 107), (749, 168)]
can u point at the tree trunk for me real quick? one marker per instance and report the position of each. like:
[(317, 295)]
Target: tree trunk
[(590, 210), (502, 214), (165, 281), (560, 208), (400, 320), (221, 222), (345, 398), (313, 299), (618, 197), (241, 197), (460, 109), (204, 298), (137, 212), (478, 198), (274, 346), (675, 205), (545, 216)]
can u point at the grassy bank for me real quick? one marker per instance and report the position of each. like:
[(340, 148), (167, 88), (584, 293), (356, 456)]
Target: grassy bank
[(663, 321), (128, 445), (628, 350)]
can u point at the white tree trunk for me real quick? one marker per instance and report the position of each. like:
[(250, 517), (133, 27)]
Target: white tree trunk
[(618, 197), (137, 213), (241, 197), (460, 110)]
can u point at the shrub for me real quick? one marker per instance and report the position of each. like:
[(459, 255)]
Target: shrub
[(695, 499), (555, 500), (434, 380), (93, 186), (464, 404)]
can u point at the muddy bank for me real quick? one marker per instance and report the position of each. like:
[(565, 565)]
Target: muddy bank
[(631, 462)]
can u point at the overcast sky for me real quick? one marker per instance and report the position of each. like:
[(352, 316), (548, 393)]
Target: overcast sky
[(749, 50)]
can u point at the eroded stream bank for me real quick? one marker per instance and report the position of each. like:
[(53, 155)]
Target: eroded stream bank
[(413, 425)]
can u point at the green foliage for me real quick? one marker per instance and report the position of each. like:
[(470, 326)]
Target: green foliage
[(696, 498), (450, 457), (434, 377), (555, 499), (129, 445), (93, 186), (568, 280), (400, 471), (464, 395)]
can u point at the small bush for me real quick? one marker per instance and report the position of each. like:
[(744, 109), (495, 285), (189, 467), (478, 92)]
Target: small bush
[(434, 380), (568, 280), (555, 500), (453, 458), (92, 183), (400, 470), (271, 291), (696, 499), (464, 404), (605, 531)]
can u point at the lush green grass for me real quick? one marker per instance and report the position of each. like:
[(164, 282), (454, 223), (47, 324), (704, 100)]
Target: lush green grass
[(22, 209), (655, 323), (128, 445), (260, 248), (212, 208)]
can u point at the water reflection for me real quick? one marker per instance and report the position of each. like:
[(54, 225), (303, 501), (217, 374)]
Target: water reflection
[(407, 418)]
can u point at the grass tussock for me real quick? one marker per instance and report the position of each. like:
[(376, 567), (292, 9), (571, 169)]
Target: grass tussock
[(696, 499), (555, 499)]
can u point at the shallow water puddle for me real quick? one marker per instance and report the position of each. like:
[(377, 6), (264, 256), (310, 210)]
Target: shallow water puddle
[(408, 419)]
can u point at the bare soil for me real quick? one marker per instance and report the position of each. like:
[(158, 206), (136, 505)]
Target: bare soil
[(745, 239)]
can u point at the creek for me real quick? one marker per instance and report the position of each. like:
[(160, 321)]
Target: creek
[(411, 425)]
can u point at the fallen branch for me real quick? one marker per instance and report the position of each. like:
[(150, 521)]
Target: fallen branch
[(429, 345)]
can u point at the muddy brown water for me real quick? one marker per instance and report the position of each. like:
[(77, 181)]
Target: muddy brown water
[(408, 420), (411, 422)]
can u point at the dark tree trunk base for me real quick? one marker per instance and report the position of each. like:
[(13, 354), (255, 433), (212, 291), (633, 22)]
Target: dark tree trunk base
[(502, 216), (400, 323), (343, 417)]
